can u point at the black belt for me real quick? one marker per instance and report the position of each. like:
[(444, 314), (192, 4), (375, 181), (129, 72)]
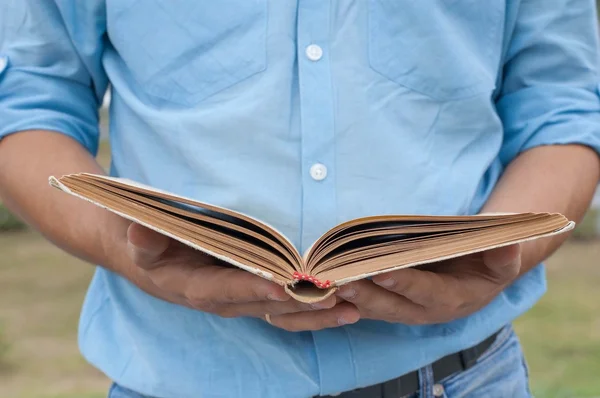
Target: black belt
[(409, 383)]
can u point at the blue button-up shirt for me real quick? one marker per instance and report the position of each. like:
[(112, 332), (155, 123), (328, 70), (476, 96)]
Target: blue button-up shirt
[(407, 106)]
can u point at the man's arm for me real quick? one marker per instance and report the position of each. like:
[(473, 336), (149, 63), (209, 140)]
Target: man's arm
[(49, 95), (550, 109), (47, 85), (544, 179), (86, 231), (559, 179), (27, 159)]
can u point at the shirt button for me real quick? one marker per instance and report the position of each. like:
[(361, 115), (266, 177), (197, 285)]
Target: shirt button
[(318, 171), (314, 52), (3, 63), (438, 390)]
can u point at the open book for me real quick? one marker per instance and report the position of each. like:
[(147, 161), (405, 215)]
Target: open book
[(356, 249)]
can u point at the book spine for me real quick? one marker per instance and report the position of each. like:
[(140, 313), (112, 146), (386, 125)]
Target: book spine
[(305, 277)]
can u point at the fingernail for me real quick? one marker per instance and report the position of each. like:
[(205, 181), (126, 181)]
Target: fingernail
[(389, 282), (342, 321), (347, 293), (274, 297)]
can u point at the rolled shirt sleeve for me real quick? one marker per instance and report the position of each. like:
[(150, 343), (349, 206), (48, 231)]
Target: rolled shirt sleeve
[(51, 76), (549, 93)]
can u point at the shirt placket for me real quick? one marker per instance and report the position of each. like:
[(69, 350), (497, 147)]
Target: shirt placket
[(317, 120), (332, 346)]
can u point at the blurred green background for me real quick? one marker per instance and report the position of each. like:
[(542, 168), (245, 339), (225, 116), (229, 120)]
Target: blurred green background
[(42, 288)]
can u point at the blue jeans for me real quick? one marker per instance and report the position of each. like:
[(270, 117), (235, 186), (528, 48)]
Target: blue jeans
[(499, 373)]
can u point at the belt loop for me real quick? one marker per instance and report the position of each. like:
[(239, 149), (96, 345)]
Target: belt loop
[(426, 381)]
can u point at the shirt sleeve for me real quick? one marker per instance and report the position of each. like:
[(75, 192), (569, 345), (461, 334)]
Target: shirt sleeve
[(51, 76), (549, 94)]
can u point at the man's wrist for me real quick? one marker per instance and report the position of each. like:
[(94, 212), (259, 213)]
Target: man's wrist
[(112, 231), (532, 252)]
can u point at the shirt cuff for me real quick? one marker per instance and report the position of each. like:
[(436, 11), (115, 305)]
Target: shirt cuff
[(549, 115), (31, 101)]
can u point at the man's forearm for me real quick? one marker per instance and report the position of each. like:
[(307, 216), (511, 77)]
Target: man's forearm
[(547, 179), (27, 159)]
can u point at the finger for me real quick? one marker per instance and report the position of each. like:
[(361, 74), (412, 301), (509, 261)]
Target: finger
[(341, 314), (419, 286), (294, 306), (260, 308), (213, 286), (145, 246), (504, 262), (379, 303)]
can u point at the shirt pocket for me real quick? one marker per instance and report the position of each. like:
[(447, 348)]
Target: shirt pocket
[(186, 51), (445, 49)]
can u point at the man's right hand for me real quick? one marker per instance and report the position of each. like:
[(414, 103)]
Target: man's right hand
[(188, 277), (156, 264)]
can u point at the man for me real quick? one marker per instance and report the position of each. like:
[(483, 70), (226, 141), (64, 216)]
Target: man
[(304, 114)]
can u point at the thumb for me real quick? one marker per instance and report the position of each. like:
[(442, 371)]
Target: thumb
[(145, 246), (504, 261)]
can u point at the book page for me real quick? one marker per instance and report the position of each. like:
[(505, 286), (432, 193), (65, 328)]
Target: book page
[(232, 227), (401, 219), (417, 252), (358, 235), (141, 188), (140, 219), (184, 199)]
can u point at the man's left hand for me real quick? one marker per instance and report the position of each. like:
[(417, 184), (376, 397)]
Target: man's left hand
[(436, 293)]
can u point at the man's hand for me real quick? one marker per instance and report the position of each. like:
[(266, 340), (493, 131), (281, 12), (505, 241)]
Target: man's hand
[(436, 293), (188, 277)]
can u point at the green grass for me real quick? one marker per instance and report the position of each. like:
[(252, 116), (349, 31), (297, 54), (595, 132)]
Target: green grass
[(8, 221), (4, 347), (41, 291), (104, 154), (79, 395), (561, 334), (587, 228)]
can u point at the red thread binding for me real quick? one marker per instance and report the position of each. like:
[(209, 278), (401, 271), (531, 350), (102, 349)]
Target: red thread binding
[(305, 277)]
